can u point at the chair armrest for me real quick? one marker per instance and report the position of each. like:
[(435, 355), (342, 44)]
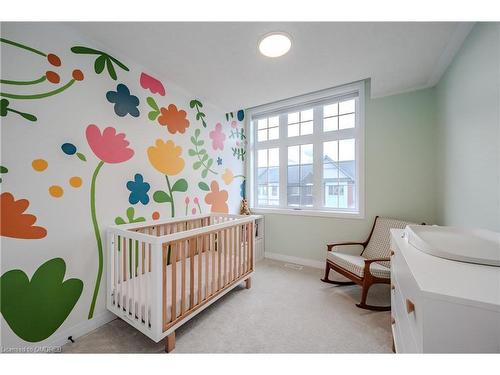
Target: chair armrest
[(332, 245), (368, 262)]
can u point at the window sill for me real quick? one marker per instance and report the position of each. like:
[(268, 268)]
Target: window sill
[(324, 213)]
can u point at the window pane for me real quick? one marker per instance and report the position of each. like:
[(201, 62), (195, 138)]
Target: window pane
[(262, 176), (306, 128), (347, 121), (293, 118), (262, 123), (273, 175), (306, 154), (306, 115), (347, 106), (306, 174), (330, 124), (293, 155), (274, 133), (293, 174), (262, 158), (274, 121), (331, 110), (262, 135), (306, 198), (347, 150), (274, 157), (293, 130)]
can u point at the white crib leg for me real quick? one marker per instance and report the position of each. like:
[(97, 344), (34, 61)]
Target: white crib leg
[(170, 342), (248, 283)]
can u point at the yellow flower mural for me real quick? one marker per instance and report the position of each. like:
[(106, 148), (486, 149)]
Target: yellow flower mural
[(166, 158), (228, 176)]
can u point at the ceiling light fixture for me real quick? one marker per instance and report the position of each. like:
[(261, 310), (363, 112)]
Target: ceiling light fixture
[(275, 44)]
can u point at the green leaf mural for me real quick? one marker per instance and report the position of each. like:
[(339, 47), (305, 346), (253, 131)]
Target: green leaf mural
[(203, 159), (200, 116), (102, 61), (35, 309), (152, 115)]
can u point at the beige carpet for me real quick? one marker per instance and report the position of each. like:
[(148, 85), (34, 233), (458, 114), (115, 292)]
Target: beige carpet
[(285, 311)]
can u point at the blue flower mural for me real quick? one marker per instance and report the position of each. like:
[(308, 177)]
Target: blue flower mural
[(138, 190), (125, 103), (219, 161)]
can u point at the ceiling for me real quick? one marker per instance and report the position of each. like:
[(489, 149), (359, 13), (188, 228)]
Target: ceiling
[(219, 62)]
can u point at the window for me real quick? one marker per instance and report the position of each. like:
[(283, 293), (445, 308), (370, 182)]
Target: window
[(306, 153)]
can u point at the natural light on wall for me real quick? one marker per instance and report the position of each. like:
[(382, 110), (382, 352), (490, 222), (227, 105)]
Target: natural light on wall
[(275, 44)]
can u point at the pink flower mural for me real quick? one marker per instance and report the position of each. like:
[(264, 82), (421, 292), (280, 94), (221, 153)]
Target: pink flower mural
[(110, 147), (152, 84), (217, 137)]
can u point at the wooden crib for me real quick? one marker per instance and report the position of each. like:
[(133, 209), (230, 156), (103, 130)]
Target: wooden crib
[(162, 273)]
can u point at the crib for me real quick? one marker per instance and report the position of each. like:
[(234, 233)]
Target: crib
[(162, 273)]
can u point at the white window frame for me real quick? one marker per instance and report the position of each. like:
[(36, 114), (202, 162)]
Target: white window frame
[(317, 139)]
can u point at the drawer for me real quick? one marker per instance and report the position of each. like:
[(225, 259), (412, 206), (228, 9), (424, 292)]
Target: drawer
[(406, 332), (406, 287)]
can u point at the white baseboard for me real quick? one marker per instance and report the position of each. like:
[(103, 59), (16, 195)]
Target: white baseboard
[(296, 260), (80, 329)]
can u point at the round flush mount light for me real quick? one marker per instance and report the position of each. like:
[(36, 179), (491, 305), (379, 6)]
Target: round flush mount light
[(275, 44)]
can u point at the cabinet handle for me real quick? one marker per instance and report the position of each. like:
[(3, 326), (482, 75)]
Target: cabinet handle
[(393, 287), (410, 306), (393, 321), (392, 253)]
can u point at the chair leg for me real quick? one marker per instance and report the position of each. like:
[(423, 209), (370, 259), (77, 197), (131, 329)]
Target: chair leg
[(325, 279), (364, 294), (170, 342), (248, 283)]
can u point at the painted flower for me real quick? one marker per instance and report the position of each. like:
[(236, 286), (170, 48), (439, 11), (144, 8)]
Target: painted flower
[(218, 137), (109, 146), (193, 211), (234, 124), (14, 222), (217, 199), (174, 119), (219, 161), (228, 176), (69, 148), (138, 190), (124, 102), (165, 157), (112, 148), (152, 84)]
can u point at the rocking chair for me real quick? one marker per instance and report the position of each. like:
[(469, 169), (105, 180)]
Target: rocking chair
[(367, 266)]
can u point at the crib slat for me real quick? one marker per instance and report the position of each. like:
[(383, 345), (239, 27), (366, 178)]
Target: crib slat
[(219, 252), (199, 258), (192, 248), (147, 259), (205, 249), (182, 249), (164, 250), (173, 261), (226, 249), (212, 250), (132, 277)]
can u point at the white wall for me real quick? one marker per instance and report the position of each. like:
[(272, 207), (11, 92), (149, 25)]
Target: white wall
[(64, 118), (468, 133)]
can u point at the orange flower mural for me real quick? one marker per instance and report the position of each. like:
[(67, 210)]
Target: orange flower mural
[(14, 222), (174, 119), (217, 199)]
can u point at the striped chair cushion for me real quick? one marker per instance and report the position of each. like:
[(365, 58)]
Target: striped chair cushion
[(379, 245), (356, 264)]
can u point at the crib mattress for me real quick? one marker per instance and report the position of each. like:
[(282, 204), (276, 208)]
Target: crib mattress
[(139, 288)]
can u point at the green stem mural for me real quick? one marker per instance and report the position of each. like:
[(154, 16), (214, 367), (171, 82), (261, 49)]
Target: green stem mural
[(97, 237), (41, 95), (172, 206), (24, 83)]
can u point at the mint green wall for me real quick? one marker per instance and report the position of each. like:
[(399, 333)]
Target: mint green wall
[(399, 176), (468, 135)]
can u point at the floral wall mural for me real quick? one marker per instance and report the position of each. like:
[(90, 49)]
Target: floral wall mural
[(92, 139)]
